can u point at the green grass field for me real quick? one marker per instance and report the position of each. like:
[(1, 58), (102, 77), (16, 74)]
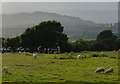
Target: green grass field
[(53, 68)]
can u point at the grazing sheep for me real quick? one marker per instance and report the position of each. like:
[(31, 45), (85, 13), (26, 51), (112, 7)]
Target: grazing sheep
[(101, 69), (101, 52), (35, 56), (78, 56), (5, 69), (109, 70), (85, 52), (19, 51)]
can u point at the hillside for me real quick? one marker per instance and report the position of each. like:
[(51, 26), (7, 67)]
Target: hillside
[(74, 27)]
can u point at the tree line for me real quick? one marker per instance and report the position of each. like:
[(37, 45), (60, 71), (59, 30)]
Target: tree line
[(48, 36)]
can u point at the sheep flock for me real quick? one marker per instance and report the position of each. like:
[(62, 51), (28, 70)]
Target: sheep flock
[(101, 69)]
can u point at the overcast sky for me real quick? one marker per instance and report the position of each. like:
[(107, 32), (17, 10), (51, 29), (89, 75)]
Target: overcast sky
[(99, 12)]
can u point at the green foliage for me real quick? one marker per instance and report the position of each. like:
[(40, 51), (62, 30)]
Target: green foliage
[(80, 45), (95, 55), (99, 55), (106, 34), (106, 41), (66, 55), (110, 54), (47, 34), (12, 43)]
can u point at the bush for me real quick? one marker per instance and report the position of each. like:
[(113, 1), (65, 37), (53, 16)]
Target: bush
[(55, 57), (95, 55), (66, 56), (103, 55)]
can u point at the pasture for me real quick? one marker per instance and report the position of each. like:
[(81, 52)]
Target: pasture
[(22, 67)]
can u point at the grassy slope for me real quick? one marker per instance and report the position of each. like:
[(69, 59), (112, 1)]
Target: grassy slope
[(47, 69)]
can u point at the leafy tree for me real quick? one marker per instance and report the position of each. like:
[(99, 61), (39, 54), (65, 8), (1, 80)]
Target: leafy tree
[(118, 43), (80, 45), (106, 34), (28, 39), (107, 40), (3, 42), (97, 46), (13, 43), (47, 34)]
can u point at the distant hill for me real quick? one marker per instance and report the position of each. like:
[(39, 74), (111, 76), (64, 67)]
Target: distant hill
[(74, 27)]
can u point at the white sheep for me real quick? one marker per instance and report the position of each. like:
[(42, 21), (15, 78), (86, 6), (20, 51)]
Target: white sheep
[(35, 56), (109, 70), (101, 52), (100, 69), (19, 51), (5, 69), (78, 56)]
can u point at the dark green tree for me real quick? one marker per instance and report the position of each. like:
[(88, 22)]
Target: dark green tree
[(28, 39), (79, 45), (3, 42), (47, 34), (107, 40), (98, 46), (13, 43), (118, 43), (106, 34)]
